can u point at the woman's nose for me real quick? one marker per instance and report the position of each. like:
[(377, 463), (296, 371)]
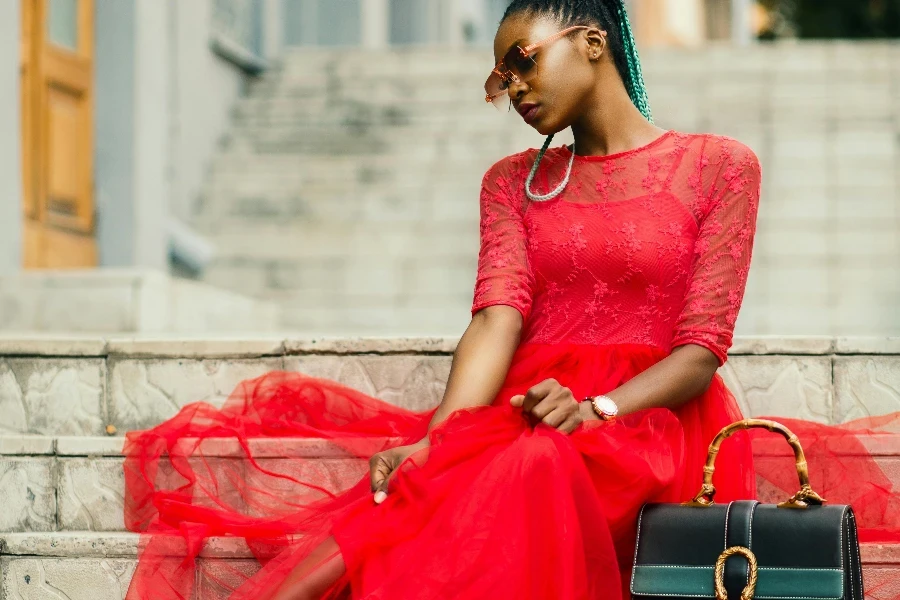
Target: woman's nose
[(516, 90)]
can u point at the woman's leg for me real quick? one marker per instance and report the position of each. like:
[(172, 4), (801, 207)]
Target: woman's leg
[(314, 576)]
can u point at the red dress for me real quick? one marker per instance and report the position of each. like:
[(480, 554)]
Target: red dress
[(644, 251)]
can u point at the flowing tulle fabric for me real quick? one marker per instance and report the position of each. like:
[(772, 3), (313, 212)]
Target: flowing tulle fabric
[(496, 508)]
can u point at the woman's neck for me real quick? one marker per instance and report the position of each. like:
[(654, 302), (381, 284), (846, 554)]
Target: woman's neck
[(614, 125)]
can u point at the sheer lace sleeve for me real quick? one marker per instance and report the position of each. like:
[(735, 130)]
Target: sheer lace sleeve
[(504, 276), (723, 248)]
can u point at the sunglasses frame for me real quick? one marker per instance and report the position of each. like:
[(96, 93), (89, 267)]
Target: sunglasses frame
[(508, 76)]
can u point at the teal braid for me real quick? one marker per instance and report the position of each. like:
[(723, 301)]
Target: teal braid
[(636, 88)]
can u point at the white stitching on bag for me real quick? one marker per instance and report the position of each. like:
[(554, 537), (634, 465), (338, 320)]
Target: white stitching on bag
[(637, 544)]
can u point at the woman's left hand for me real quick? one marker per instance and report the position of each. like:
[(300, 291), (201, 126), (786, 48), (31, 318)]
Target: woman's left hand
[(552, 404)]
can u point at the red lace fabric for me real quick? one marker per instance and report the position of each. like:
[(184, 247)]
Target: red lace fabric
[(644, 251), (649, 247)]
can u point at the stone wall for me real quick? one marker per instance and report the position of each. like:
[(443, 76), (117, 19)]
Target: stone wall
[(82, 386)]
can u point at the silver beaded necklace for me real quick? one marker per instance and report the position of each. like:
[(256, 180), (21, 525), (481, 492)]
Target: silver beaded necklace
[(556, 192)]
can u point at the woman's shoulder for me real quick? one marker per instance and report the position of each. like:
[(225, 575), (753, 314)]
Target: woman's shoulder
[(717, 148), (514, 162)]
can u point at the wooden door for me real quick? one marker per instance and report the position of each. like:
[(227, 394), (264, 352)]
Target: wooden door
[(57, 133)]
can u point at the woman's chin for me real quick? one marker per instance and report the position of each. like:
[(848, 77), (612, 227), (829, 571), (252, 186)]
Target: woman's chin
[(545, 125)]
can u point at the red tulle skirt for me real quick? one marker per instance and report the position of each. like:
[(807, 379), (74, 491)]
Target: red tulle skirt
[(495, 509)]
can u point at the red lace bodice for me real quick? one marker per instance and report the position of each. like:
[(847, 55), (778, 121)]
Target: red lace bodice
[(650, 246)]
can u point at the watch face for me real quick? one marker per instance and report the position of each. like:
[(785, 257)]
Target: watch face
[(607, 406)]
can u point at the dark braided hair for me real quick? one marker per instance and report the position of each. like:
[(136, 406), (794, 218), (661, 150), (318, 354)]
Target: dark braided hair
[(611, 16)]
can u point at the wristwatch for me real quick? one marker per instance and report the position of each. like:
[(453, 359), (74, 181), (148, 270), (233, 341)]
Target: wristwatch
[(605, 407)]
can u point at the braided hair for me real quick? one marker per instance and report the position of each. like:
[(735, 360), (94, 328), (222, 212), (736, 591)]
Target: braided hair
[(612, 16)]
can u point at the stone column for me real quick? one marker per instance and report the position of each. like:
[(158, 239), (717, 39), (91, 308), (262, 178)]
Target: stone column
[(272, 29), (132, 128), (375, 20), (10, 139), (741, 32)]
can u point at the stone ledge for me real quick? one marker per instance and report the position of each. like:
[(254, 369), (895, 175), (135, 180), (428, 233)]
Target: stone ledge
[(87, 446), (38, 345), (807, 345), (26, 445), (85, 544), (33, 344), (180, 347)]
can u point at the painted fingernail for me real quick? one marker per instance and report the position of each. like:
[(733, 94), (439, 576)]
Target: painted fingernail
[(380, 497)]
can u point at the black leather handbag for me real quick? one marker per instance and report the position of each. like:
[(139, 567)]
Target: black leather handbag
[(796, 550)]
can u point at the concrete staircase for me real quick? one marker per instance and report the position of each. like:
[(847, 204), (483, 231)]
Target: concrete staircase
[(348, 189), (64, 403)]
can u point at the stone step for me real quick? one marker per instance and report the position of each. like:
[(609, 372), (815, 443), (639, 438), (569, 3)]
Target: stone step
[(330, 168), (77, 483), (126, 301), (226, 210), (89, 385), (397, 240), (399, 143), (99, 566)]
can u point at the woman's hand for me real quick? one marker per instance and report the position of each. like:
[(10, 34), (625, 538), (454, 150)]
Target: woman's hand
[(552, 404), (383, 465)]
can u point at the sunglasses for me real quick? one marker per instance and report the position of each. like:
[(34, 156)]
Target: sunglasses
[(518, 66)]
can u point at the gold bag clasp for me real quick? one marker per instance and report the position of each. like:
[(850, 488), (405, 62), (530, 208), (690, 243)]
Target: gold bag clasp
[(750, 588)]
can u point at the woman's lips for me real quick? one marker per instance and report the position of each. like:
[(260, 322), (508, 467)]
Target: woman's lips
[(529, 112)]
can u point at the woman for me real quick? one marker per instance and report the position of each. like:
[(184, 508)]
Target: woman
[(610, 278)]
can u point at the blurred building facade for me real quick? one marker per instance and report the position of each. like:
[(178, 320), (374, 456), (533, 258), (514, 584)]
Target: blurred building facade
[(122, 102), (304, 151)]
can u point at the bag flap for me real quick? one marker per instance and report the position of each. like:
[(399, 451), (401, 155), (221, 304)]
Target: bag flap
[(799, 552)]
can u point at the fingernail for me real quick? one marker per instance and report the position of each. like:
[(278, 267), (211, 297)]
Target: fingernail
[(380, 497)]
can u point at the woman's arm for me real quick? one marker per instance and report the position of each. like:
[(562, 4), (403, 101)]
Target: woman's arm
[(684, 374), (479, 367), (481, 360)]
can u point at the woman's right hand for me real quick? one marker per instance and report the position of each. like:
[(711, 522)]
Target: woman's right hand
[(383, 465)]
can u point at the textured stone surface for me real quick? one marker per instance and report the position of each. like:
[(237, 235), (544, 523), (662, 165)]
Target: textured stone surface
[(52, 396), (781, 386), (144, 393), (89, 446), (867, 345), (179, 346), (90, 494), (866, 386), (413, 382), (83, 544), (216, 579), (26, 445), (70, 544), (27, 494), (51, 344), (376, 345), (65, 579), (782, 345)]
